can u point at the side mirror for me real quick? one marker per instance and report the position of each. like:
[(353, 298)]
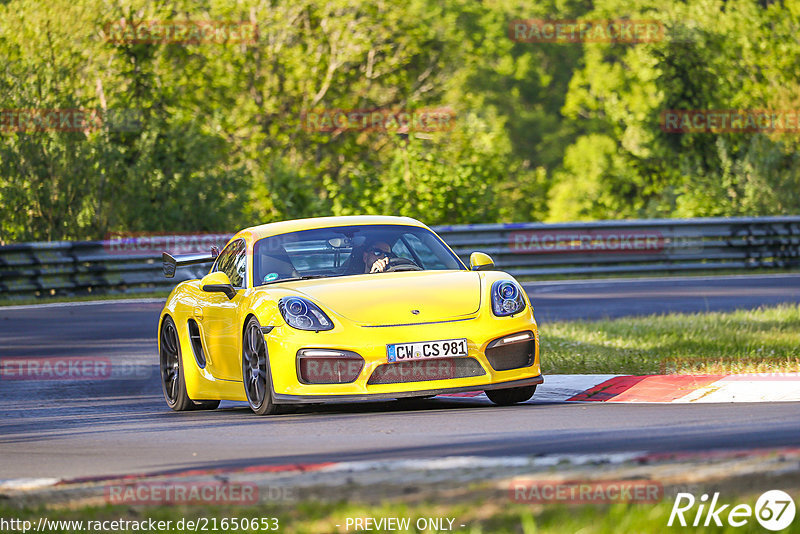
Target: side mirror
[(218, 282), (478, 261)]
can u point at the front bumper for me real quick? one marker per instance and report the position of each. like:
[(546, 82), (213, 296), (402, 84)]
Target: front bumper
[(312, 399), (283, 343)]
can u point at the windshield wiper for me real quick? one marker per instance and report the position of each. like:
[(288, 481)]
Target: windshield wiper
[(295, 278)]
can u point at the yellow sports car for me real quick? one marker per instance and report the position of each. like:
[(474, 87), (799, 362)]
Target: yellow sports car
[(341, 309)]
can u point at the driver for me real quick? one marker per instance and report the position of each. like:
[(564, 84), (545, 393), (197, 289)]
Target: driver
[(377, 256)]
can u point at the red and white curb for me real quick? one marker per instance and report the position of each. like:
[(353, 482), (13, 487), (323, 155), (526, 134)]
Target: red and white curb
[(764, 387), (382, 466), (30, 484)]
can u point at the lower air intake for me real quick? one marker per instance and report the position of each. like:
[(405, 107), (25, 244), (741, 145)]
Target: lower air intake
[(512, 356), (426, 370)]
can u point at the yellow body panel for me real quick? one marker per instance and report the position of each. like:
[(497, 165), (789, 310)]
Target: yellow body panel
[(368, 312)]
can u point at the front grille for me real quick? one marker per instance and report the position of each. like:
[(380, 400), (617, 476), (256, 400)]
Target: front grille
[(512, 356), (426, 370)]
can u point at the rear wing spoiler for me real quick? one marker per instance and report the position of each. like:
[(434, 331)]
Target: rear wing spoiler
[(171, 263)]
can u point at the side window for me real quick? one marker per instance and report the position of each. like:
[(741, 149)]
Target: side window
[(400, 249), (233, 262), (425, 253)]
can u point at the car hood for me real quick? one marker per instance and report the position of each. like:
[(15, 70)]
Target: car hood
[(389, 298)]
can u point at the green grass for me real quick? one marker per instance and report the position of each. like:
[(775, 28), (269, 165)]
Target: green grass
[(762, 340), (495, 516), (82, 298)]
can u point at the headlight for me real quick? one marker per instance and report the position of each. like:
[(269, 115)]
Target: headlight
[(507, 298), (303, 314)]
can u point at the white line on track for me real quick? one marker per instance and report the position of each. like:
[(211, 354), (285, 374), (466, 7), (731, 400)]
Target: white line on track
[(609, 281), (23, 484)]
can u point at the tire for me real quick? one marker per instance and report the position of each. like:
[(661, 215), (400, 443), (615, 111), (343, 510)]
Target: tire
[(255, 370), (507, 397), (173, 383)]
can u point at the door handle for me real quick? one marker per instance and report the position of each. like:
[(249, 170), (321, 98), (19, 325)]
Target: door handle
[(198, 313)]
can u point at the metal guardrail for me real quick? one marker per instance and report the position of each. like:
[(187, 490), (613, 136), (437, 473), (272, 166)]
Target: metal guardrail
[(632, 246), (522, 249), (85, 267)]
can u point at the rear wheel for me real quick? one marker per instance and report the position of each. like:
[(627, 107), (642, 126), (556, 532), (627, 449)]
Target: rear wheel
[(507, 397), (173, 383), (255, 370)]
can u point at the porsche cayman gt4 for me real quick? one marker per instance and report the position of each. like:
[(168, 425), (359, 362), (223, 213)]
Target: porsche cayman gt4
[(343, 309)]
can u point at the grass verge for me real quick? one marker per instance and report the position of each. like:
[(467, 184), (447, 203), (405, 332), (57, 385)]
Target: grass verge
[(83, 298), (481, 516), (764, 340)]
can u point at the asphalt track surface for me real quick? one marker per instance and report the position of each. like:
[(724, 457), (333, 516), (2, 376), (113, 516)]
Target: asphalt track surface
[(120, 424)]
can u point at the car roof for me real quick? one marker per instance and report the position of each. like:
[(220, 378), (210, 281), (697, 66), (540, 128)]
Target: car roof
[(283, 227)]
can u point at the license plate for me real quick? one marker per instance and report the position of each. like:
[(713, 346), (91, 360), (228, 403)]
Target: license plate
[(424, 350)]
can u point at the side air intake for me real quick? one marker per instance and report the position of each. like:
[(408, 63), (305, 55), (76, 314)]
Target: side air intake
[(197, 343)]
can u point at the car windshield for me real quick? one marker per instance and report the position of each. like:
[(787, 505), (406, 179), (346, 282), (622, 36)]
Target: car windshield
[(348, 250)]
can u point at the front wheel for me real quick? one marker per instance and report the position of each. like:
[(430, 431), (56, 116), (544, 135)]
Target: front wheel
[(255, 370), (507, 397)]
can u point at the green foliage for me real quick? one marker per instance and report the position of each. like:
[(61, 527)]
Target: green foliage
[(715, 55), (543, 131)]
